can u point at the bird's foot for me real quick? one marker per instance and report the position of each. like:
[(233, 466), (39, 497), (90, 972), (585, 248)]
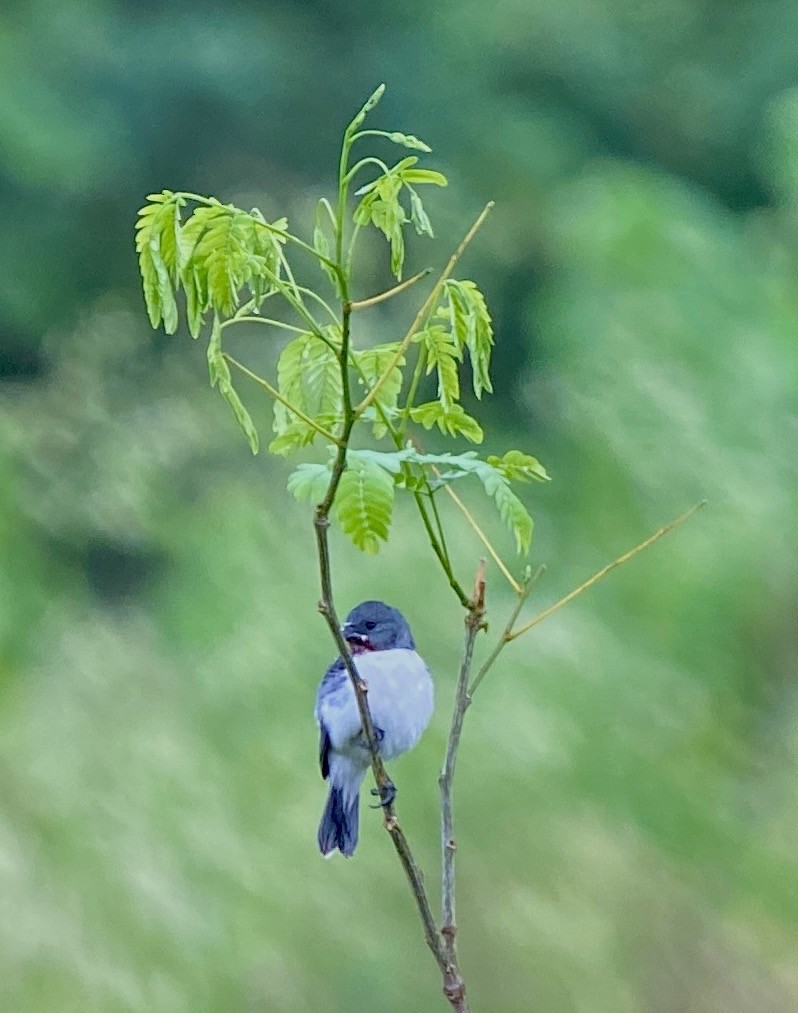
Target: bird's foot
[(386, 793)]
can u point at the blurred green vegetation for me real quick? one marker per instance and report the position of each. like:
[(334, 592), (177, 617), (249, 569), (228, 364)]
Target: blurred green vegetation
[(627, 804)]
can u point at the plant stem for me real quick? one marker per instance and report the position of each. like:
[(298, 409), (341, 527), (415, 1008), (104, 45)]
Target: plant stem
[(473, 622), (411, 394), (362, 304), (369, 160), (664, 530), (262, 320), (510, 634), (481, 535)]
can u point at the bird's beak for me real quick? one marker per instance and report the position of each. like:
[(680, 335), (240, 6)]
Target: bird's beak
[(353, 638)]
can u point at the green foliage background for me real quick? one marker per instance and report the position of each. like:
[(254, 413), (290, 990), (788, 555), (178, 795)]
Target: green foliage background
[(627, 804)]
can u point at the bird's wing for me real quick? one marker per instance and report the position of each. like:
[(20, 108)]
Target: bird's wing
[(336, 711), (324, 751)]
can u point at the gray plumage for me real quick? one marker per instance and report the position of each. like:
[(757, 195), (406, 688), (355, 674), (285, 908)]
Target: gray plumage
[(401, 700)]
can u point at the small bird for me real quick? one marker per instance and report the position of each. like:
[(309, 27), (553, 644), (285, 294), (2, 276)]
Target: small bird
[(401, 701)]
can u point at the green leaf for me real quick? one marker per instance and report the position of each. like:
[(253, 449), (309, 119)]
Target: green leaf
[(295, 436), (450, 421), (471, 325), (372, 363), (418, 176), (266, 260), (242, 415), (519, 467), (395, 172), (309, 481), (381, 207), (364, 503), (511, 509), (195, 301), (390, 462), (443, 355), (220, 376), (157, 232), (309, 377), (217, 366), (230, 248), (418, 216)]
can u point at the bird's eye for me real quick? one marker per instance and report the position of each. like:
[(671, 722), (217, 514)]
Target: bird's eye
[(370, 624)]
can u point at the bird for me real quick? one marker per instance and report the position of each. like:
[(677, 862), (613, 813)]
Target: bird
[(401, 700)]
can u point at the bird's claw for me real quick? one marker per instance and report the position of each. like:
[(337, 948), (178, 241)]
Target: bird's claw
[(386, 793)]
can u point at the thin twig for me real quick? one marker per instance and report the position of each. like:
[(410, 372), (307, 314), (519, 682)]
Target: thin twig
[(263, 320), (510, 634), (426, 307), (474, 621), (603, 572), (362, 304), (283, 401), (482, 536)]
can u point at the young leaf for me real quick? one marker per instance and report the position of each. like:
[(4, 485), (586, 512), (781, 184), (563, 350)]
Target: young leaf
[(321, 244), (417, 176), (294, 436), (309, 377), (265, 262), (471, 324), (195, 301), (309, 481), (519, 467), (390, 462), (496, 485), (157, 232), (418, 216), (512, 513), (364, 503), (381, 207), (372, 363), (395, 172), (229, 249), (450, 421), (220, 376), (443, 355)]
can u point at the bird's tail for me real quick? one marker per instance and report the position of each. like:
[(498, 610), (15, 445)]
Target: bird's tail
[(339, 821)]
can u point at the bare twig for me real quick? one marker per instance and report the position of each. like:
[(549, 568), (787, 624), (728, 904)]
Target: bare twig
[(511, 634), (482, 536), (664, 530), (474, 621), (362, 304)]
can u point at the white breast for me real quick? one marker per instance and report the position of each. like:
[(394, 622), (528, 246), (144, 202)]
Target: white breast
[(400, 696)]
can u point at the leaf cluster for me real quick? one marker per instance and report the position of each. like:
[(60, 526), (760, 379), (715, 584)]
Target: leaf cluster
[(224, 263)]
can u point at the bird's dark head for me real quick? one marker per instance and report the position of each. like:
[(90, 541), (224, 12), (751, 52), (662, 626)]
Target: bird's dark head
[(375, 626)]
